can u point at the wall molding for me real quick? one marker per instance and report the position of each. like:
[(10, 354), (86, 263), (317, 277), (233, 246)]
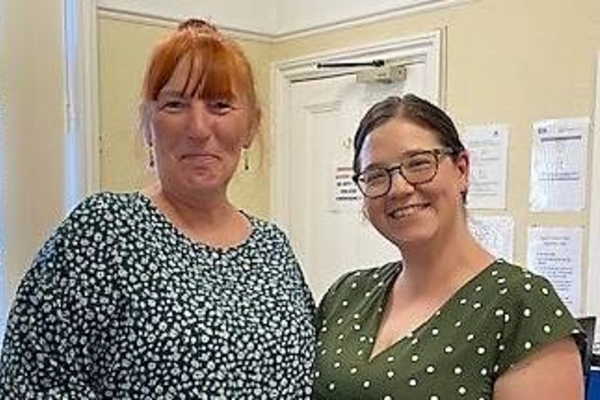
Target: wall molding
[(367, 18), (83, 117), (255, 27), (172, 21)]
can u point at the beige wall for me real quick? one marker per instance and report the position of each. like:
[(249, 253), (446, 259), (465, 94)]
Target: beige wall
[(122, 53), (32, 128), (506, 61), (124, 48)]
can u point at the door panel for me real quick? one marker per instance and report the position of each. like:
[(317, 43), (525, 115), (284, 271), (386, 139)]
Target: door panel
[(332, 238)]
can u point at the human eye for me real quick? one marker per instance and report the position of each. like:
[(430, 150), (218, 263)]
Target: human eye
[(374, 176), (172, 104), (419, 162), (220, 106)]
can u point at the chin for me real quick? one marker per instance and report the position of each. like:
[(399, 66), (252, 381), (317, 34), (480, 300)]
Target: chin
[(409, 237), (202, 184)]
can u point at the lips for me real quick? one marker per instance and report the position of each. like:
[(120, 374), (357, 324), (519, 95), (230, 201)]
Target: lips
[(406, 211), (199, 156)]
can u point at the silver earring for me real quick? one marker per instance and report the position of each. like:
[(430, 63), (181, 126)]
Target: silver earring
[(150, 157), (246, 161)]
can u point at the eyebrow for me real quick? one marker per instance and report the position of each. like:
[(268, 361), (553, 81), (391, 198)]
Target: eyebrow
[(403, 156)]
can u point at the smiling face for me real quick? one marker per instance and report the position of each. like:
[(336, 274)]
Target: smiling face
[(414, 214), (199, 109), (197, 140)]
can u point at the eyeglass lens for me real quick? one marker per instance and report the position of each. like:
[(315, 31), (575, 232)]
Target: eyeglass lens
[(416, 169)]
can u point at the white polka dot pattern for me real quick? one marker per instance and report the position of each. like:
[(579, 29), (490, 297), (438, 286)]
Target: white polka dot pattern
[(458, 353)]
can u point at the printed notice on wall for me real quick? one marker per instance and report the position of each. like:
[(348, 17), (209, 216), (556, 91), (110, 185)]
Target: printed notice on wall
[(496, 233), (555, 253), (488, 148), (559, 164), (345, 195)]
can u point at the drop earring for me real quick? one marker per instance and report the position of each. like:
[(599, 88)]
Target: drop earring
[(246, 161), (150, 157)]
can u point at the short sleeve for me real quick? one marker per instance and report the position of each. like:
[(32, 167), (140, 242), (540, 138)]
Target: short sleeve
[(330, 299), (538, 317), (342, 291)]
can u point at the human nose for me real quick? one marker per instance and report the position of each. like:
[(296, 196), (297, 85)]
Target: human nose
[(199, 120), (398, 183)]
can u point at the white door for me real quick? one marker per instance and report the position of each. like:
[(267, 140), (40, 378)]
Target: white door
[(331, 237)]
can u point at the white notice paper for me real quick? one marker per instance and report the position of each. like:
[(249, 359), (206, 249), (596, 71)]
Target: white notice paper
[(345, 195), (496, 233), (559, 165), (555, 253), (488, 148)]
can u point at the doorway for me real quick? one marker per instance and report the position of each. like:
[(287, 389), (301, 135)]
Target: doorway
[(317, 112)]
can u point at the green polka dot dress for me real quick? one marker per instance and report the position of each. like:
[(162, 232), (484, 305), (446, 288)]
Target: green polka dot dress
[(120, 305), (495, 320)]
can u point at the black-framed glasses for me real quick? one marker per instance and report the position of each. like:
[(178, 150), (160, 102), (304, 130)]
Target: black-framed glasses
[(418, 168)]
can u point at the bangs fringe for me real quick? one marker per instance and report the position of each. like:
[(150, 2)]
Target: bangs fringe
[(213, 68), (210, 76)]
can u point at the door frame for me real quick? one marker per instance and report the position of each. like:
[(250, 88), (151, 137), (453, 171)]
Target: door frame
[(81, 76), (425, 48)]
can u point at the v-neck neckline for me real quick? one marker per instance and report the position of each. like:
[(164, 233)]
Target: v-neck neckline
[(383, 303)]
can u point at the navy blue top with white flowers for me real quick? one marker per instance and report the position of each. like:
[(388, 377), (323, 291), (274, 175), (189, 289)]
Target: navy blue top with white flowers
[(119, 304)]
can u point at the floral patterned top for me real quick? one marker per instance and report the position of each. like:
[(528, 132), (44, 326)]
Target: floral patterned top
[(495, 320), (119, 304)]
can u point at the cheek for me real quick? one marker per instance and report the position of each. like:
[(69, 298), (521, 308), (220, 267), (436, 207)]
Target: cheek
[(230, 143), (161, 127), (373, 211), (233, 136), (457, 185), (445, 198), (162, 137)]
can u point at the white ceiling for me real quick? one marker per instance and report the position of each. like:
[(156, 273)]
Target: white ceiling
[(274, 18)]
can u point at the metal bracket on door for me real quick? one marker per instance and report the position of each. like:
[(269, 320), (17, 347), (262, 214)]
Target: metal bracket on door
[(386, 74), (380, 71)]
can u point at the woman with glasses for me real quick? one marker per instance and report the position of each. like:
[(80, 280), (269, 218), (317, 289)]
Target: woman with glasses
[(448, 321), (171, 292)]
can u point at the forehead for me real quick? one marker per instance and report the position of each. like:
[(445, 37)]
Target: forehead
[(388, 141)]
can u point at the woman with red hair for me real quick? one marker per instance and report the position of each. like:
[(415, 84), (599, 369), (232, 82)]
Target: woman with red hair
[(172, 291)]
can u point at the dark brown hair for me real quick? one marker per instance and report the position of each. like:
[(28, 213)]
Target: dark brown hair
[(411, 108)]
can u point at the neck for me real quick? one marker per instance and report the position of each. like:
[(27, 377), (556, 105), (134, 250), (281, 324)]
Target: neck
[(444, 265), (194, 208), (210, 219)]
